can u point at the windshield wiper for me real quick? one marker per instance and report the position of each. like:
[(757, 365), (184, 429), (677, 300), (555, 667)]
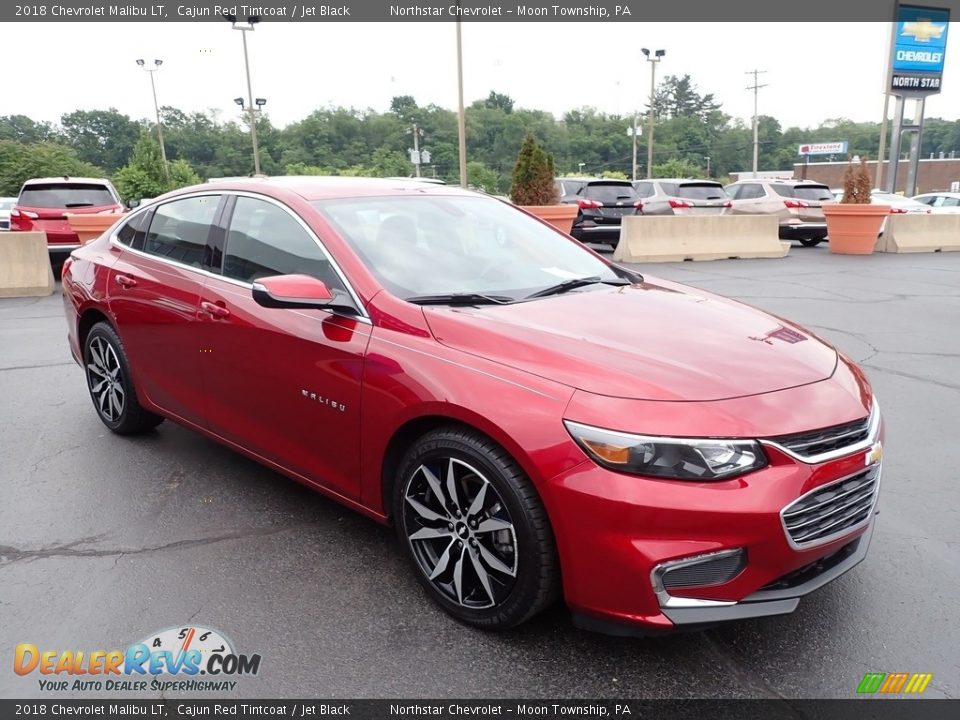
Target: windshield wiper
[(461, 299), (575, 283)]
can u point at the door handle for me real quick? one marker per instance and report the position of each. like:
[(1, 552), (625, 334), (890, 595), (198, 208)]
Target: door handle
[(216, 310), (124, 281)]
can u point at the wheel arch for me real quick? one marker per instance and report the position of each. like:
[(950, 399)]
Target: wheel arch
[(412, 429), (88, 318)]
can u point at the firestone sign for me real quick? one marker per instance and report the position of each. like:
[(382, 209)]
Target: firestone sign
[(832, 148), (920, 50)]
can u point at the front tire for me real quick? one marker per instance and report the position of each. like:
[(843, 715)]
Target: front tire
[(110, 385), (811, 242), (474, 529)]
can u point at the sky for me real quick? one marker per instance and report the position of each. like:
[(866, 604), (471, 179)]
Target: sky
[(814, 71)]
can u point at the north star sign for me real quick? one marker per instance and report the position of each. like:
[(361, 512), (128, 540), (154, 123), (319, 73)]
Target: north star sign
[(920, 48)]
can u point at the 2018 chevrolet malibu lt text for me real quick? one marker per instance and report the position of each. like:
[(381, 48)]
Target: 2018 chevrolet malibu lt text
[(535, 421)]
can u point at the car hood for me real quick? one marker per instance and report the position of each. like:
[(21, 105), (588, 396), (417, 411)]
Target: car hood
[(653, 341)]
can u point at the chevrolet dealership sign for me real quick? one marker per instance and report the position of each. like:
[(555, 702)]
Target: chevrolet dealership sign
[(919, 50)]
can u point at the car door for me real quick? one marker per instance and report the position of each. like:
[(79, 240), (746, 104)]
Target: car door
[(154, 295), (282, 383)]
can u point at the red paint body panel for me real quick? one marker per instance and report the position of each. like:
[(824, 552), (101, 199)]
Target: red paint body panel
[(320, 397)]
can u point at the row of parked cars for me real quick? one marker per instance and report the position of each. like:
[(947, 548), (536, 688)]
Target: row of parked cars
[(796, 203)]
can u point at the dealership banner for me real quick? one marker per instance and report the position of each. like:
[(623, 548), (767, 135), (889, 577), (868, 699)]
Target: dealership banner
[(451, 10), (448, 709)]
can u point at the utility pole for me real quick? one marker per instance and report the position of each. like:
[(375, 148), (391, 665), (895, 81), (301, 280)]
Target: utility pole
[(756, 117), (708, 164), (634, 175), (417, 133), (461, 114), (657, 57)]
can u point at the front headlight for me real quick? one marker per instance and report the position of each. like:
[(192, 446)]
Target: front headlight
[(664, 457)]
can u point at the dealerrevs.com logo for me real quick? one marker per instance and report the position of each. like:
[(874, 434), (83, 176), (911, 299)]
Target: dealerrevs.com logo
[(187, 658)]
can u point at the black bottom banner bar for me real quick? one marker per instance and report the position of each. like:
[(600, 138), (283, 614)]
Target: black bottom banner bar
[(860, 709)]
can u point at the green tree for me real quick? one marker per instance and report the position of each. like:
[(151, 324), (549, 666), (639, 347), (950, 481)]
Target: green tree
[(102, 137), (482, 177), (143, 176), (19, 162), (676, 169)]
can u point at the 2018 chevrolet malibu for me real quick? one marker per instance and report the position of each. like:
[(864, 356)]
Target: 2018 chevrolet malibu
[(534, 420)]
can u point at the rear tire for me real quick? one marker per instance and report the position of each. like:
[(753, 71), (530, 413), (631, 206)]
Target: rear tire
[(474, 529), (110, 385), (811, 242)]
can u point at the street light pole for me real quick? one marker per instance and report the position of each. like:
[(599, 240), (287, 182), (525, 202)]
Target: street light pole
[(156, 109), (634, 175), (657, 56), (244, 28)]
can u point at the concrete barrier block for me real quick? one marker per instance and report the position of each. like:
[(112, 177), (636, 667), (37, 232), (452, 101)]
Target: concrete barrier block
[(673, 238), (25, 265), (920, 233)]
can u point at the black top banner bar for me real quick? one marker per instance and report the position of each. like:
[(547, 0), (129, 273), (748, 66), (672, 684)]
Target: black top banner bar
[(597, 11)]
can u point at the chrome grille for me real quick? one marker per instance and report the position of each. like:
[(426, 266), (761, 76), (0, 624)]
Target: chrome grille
[(827, 440), (831, 510)]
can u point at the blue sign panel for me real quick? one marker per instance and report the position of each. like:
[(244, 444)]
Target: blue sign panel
[(919, 50), (921, 39)]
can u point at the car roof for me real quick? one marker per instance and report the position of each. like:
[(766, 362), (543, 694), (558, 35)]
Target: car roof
[(680, 180), (64, 179), (779, 181), (320, 187), (945, 193)]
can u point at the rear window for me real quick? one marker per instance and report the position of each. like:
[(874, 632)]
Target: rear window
[(66, 195), (803, 192), (701, 191), (610, 192)]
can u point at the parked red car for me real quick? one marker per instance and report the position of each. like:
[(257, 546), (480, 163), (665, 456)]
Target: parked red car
[(534, 420), (44, 203)]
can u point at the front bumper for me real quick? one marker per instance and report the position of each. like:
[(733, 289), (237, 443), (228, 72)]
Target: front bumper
[(617, 532)]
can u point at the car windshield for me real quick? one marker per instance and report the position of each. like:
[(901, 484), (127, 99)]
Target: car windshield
[(701, 191), (66, 195), (803, 192), (444, 245)]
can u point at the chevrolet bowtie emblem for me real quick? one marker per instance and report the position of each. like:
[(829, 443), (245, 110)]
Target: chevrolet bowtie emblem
[(922, 30)]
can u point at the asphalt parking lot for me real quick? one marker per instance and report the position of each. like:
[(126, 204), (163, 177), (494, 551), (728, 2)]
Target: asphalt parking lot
[(104, 540)]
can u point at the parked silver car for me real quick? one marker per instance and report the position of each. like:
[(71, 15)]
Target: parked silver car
[(677, 196)]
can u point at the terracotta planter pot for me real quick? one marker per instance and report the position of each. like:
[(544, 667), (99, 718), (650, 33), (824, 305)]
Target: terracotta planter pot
[(560, 216), (853, 229), (90, 226)]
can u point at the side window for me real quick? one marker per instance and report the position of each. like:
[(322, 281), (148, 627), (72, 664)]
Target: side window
[(949, 201), (179, 229), (733, 191), (264, 239), (669, 189), (751, 191), (134, 231)]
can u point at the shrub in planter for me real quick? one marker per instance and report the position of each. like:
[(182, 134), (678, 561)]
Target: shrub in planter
[(854, 223), (533, 187)]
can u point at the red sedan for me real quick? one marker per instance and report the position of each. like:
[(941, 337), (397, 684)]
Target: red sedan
[(534, 420)]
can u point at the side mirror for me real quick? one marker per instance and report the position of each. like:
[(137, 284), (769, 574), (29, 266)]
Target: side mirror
[(131, 204), (302, 292)]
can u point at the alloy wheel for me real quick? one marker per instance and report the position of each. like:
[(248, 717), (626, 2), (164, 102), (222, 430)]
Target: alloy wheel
[(461, 533), (105, 378)]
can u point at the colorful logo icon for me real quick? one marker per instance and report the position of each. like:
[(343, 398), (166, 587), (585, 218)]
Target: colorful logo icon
[(894, 683)]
